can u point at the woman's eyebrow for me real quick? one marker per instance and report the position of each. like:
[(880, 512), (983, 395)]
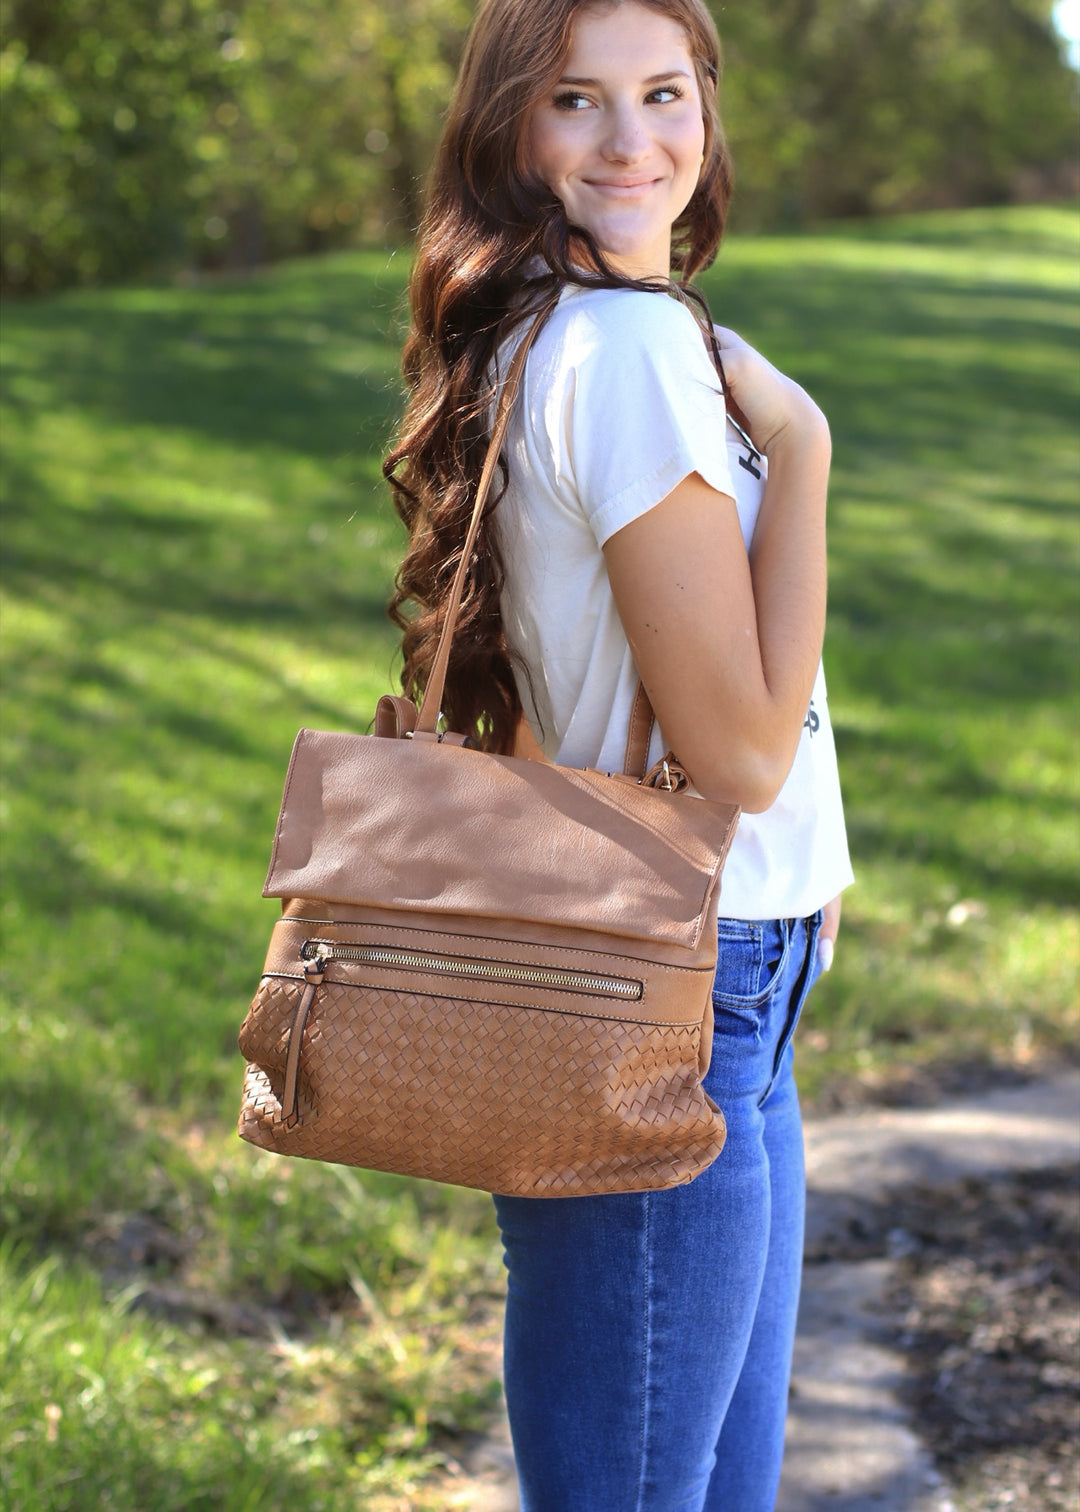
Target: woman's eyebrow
[(660, 78)]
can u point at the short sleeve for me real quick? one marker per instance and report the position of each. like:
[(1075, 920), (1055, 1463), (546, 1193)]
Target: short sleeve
[(646, 409)]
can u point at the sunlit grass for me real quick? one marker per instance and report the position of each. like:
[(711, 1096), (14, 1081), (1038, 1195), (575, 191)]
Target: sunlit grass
[(103, 1407), (199, 549), (944, 349)]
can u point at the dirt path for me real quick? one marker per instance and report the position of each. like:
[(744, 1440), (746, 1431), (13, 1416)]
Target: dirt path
[(852, 1447), (852, 1441)]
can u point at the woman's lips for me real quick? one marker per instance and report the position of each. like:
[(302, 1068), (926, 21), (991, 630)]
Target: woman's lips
[(621, 189)]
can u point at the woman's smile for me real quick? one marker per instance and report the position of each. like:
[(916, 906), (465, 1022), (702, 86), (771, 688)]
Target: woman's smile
[(615, 186), (619, 138)]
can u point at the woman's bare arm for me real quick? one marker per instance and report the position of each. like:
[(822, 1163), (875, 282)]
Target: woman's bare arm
[(728, 644)]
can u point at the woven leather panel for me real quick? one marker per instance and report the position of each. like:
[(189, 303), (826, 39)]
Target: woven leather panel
[(605, 1106)]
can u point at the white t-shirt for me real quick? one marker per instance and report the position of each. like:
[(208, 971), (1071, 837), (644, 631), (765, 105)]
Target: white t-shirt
[(619, 403)]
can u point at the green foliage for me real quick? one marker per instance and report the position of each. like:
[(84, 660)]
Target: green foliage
[(100, 100), (843, 107), (149, 135), (198, 549)]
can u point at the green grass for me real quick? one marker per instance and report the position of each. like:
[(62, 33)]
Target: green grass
[(198, 552), (944, 350)]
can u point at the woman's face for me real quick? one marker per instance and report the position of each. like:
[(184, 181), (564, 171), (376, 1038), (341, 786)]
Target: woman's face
[(619, 137)]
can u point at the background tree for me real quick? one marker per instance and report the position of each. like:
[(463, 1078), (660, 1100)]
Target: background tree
[(851, 107), (142, 133)]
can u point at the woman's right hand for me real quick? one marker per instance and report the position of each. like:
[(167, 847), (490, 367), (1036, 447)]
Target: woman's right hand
[(775, 408)]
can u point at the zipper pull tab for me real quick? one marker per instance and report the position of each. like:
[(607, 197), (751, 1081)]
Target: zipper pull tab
[(314, 971)]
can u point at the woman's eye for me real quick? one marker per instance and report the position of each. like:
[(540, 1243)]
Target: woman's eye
[(574, 99), (666, 94)]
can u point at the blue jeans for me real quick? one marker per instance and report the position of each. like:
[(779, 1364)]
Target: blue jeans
[(649, 1335)]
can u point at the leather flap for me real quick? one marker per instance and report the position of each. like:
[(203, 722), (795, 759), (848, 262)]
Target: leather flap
[(439, 828)]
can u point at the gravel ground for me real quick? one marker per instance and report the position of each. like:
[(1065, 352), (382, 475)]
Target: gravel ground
[(984, 1305)]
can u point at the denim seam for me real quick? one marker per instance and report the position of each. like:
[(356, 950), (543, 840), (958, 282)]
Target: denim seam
[(796, 1001), (646, 1340)]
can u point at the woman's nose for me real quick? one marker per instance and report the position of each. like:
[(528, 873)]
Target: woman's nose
[(627, 137)]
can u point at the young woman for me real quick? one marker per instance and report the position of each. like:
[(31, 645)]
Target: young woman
[(640, 532)]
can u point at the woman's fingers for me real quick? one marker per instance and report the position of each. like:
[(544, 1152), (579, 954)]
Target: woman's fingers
[(830, 925), (772, 404)]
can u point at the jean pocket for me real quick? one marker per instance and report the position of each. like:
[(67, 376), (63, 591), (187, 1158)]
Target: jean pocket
[(808, 968), (750, 963)]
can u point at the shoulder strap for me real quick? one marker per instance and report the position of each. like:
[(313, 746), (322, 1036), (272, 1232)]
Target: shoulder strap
[(639, 734), (641, 719), (428, 717)]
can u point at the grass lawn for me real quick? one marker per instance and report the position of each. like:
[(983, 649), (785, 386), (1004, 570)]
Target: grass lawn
[(198, 550)]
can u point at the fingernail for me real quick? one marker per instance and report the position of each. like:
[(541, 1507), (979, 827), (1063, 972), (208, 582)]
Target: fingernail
[(825, 954)]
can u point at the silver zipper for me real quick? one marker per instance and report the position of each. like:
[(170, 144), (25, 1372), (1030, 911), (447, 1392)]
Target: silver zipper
[(512, 972)]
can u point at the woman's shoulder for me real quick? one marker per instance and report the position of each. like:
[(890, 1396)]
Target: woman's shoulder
[(627, 352), (601, 342), (619, 325)]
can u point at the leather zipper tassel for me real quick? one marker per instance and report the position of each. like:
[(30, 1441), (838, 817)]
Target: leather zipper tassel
[(314, 971), (517, 973)]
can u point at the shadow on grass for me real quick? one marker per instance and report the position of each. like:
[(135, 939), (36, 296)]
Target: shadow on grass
[(924, 799), (302, 362), (150, 563), (909, 361), (72, 1149)]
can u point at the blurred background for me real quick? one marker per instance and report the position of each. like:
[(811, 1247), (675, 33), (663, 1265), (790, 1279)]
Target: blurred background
[(143, 137), (205, 234)]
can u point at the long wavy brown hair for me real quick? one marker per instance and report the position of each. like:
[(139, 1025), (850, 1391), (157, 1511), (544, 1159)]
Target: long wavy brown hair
[(488, 215)]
